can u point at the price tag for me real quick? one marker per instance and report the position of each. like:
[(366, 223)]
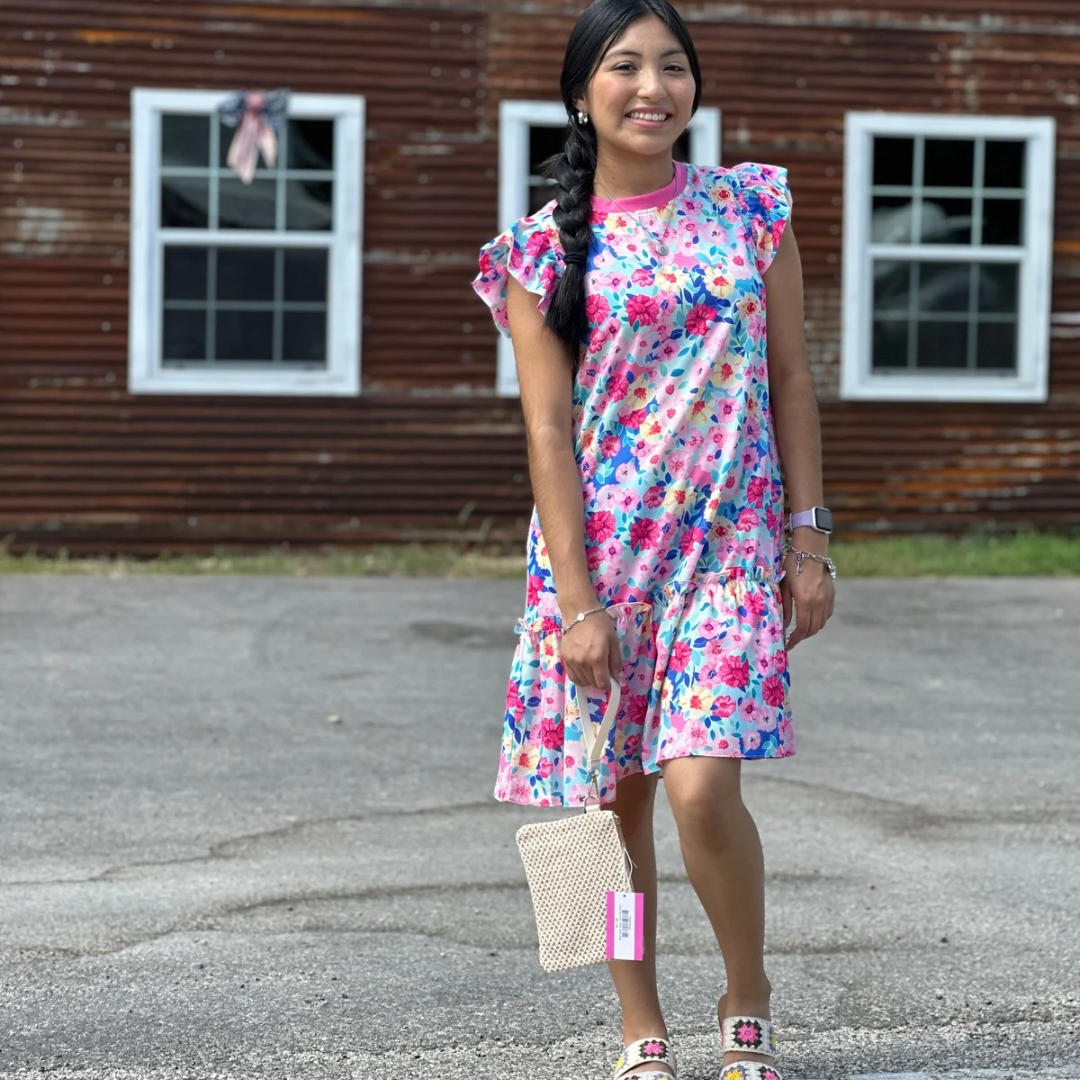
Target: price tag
[(625, 925)]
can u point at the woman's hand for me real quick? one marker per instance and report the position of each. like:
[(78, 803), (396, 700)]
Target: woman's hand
[(591, 652), (812, 592)]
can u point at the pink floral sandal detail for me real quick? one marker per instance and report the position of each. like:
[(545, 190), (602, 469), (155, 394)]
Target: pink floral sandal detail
[(644, 1052), (748, 1035)]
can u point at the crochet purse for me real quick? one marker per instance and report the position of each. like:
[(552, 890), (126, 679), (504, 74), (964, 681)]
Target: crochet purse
[(573, 863)]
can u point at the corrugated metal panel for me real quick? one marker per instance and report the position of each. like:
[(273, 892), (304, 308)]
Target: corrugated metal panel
[(427, 451)]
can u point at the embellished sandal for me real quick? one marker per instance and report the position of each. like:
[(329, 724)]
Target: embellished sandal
[(642, 1052), (748, 1035)]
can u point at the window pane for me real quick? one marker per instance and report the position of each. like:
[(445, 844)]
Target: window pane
[(304, 336), (245, 335), (997, 347), (998, 287), (225, 139), (311, 144), (185, 273), (942, 345), (540, 195), (309, 205), (1004, 164), (890, 345), (944, 287), (1002, 221), (184, 203), (245, 273), (305, 275), (946, 221), (893, 160), (183, 335), (185, 140), (892, 219), (949, 163), (250, 207), (892, 287), (544, 142)]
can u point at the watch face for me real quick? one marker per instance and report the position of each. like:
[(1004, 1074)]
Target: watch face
[(823, 519)]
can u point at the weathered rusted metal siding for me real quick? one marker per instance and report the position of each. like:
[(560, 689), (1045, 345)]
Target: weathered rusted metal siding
[(427, 450)]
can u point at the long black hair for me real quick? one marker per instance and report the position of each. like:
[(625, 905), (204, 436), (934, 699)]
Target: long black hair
[(600, 24)]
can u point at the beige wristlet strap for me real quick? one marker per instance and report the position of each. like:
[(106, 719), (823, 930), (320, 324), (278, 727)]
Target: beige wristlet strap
[(595, 744)]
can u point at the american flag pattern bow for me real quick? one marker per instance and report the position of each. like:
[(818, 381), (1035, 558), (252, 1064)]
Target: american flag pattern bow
[(257, 116)]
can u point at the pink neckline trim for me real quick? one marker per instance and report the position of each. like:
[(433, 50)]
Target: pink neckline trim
[(649, 201)]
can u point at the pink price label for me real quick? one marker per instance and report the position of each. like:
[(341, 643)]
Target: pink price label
[(625, 925)]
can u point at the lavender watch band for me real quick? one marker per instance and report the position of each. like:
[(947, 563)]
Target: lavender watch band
[(817, 517)]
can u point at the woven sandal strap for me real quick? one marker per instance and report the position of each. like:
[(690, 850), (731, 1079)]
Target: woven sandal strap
[(642, 1051), (749, 1070), (751, 1034)]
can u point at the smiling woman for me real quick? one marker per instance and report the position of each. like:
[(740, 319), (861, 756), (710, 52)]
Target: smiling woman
[(660, 402)]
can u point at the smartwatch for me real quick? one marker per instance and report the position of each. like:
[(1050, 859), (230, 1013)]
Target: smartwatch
[(817, 518)]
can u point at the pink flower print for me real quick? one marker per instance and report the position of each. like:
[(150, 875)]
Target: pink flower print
[(735, 671), (625, 472), (747, 520), (780, 661), (751, 740), (537, 244), (514, 705), (552, 733), (748, 1034), (642, 309), (738, 260), (653, 1047), (723, 706), (633, 418), (698, 319), (636, 709), (772, 521), (751, 711), (772, 690), (597, 339), (680, 656), (698, 735), (632, 745), (597, 308), (644, 533), (600, 526), (754, 603), (519, 791), (654, 497), (716, 650), (594, 557), (610, 445), (755, 490), (642, 277), (628, 501), (544, 768), (532, 589), (691, 537)]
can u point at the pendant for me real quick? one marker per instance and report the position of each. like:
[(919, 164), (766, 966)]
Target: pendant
[(661, 250)]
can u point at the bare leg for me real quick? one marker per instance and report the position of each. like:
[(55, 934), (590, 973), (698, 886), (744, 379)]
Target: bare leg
[(722, 852), (635, 981)]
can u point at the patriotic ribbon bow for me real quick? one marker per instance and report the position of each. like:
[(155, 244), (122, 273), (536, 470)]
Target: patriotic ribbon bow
[(257, 117)]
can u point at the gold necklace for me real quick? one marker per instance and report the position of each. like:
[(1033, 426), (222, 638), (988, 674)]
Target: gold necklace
[(661, 248)]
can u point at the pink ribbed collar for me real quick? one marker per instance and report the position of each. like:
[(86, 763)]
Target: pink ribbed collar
[(648, 201)]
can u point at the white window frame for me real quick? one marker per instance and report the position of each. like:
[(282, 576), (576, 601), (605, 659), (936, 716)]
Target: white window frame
[(146, 373), (515, 120), (1034, 259)]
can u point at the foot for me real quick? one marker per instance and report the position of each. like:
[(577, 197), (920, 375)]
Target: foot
[(750, 1006)]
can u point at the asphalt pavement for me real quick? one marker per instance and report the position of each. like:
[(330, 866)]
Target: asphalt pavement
[(203, 875)]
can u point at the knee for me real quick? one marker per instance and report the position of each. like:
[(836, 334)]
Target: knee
[(705, 799)]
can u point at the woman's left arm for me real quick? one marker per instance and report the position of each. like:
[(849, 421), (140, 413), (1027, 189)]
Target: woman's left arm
[(798, 437)]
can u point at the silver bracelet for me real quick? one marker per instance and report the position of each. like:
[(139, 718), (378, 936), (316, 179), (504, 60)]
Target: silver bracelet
[(801, 555), (581, 616)]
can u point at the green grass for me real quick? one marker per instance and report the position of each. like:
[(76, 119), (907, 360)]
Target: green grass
[(1019, 555)]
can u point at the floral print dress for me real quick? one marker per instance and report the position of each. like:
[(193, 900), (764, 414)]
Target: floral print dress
[(680, 477)]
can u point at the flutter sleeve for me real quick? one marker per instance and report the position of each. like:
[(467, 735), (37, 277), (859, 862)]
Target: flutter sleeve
[(764, 199), (530, 252)]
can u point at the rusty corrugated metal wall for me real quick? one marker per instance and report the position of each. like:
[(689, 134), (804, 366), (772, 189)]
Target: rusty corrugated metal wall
[(427, 450)]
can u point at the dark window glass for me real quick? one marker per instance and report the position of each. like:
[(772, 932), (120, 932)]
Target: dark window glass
[(183, 335), (185, 140), (311, 144), (248, 207), (1004, 164), (245, 335), (892, 286), (997, 347), (998, 287), (893, 160), (185, 273), (892, 220), (944, 286), (949, 163), (942, 345), (1002, 221), (309, 205), (681, 150), (946, 221), (890, 344), (245, 273), (225, 139), (544, 142), (305, 275), (184, 203), (304, 336)]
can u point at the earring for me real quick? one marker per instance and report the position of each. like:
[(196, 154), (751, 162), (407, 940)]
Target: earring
[(582, 118)]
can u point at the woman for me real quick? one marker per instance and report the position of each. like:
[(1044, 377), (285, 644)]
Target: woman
[(656, 434)]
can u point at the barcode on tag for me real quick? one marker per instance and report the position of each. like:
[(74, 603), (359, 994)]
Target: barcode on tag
[(625, 925)]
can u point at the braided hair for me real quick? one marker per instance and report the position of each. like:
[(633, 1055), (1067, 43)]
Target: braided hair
[(602, 23)]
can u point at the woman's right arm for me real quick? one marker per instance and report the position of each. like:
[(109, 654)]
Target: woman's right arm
[(590, 650)]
